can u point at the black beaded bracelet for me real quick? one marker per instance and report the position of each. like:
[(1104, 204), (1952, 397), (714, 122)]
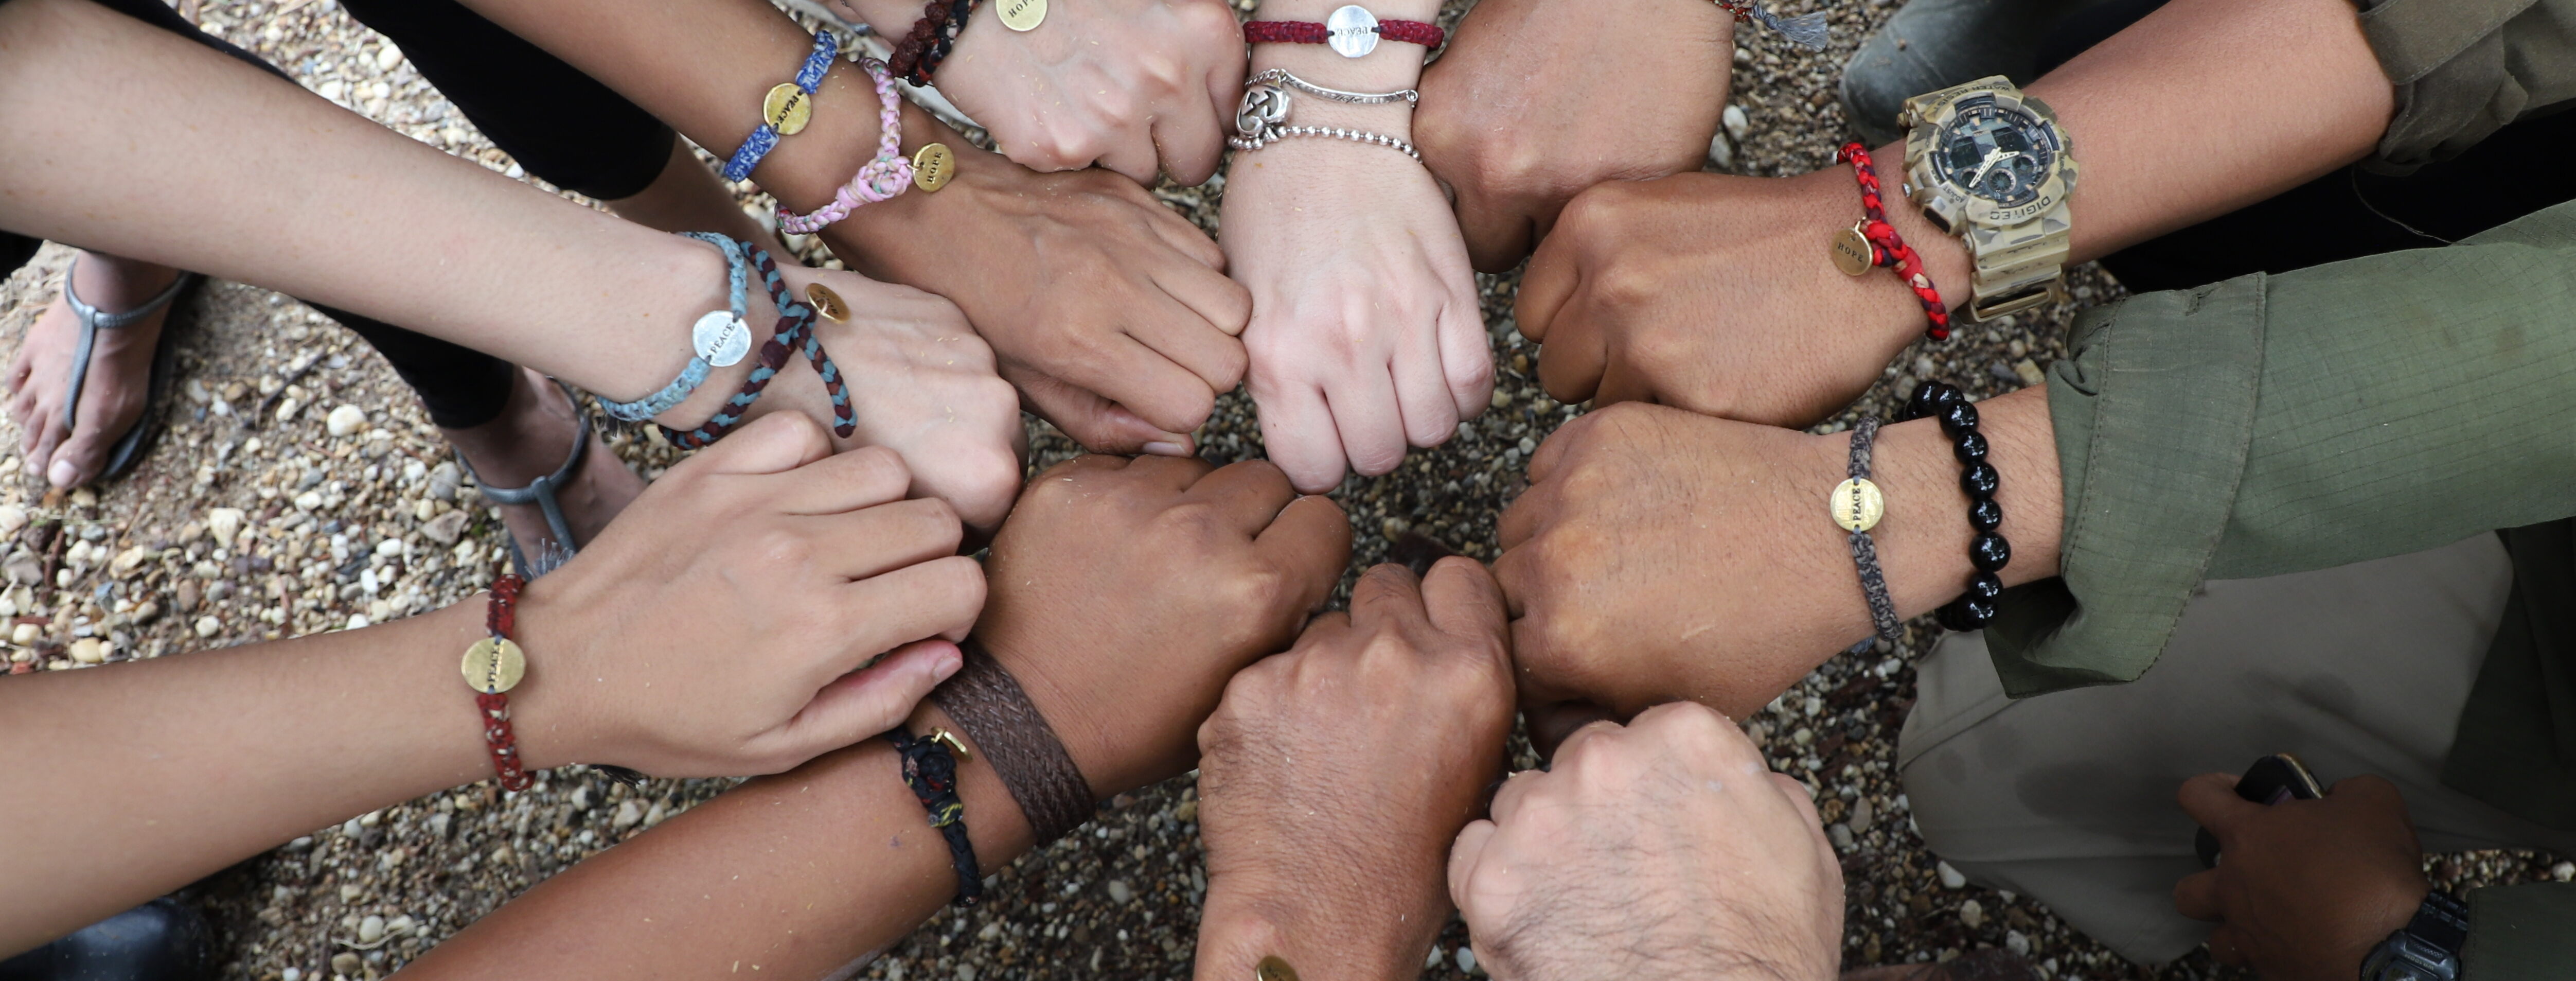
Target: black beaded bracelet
[(1988, 551), (930, 770)]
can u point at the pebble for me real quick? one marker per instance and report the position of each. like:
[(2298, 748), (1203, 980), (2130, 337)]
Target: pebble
[(444, 479), (1950, 877), (344, 420), (1736, 123), (1119, 892), (2027, 371), (127, 561), (1841, 834), (387, 57), (208, 627), (389, 548), (345, 964), (1972, 914), (1467, 960), (371, 929), (627, 815), (2563, 871), (291, 974), (89, 650), (286, 410), (1862, 814), (224, 523), (446, 528), (12, 518), (25, 634)]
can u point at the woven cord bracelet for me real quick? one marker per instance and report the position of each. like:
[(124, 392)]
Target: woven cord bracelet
[(1352, 31), (1856, 505), (493, 666), (1878, 240), (719, 339), (930, 771), (918, 56), (1987, 551), (1015, 738), (794, 333), (786, 109), (880, 179)]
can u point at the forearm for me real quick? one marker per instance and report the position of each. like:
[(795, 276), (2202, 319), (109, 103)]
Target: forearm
[(297, 195), (2201, 108), (158, 773), (1923, 540), (1326, 933), (793, 876)]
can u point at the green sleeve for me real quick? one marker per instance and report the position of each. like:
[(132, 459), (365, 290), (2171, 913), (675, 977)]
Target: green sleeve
[(2275, 424), (2460, 69), (2521, 932)]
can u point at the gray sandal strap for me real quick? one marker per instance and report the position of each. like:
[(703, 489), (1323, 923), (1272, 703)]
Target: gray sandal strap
[(541, 491), (92, 320)]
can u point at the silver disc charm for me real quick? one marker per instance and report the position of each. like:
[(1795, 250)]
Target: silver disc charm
[(1353, 31), (721, 338), (1265, 108)]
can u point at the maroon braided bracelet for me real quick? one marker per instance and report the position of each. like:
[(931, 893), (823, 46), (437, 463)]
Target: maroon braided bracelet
[(1315, 32)]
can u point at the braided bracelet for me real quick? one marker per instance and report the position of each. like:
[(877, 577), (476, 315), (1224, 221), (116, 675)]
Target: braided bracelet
[(918, 56), (493, 666), (1032, 763), (1873, 243), (1352, 31), (786, 109), (795, 331), (1856, 505), (930, 770), (719, 339), (1805, 30), (881, 179), (1988, 551)]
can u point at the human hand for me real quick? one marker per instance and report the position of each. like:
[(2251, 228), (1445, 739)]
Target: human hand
[(1326, 801), (720, 626), (1135, 85), (1715, 294), (1663, 849), (1365, 333), (921, 384), (1626, 91), (1110, 313), (1126, 592), (2307, 887)]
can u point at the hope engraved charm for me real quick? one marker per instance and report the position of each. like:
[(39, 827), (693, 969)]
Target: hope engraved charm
[(1263, 113), (1352, 31), (721, 338)]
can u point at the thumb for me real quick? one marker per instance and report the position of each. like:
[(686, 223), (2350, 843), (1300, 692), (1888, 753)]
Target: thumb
[(2196, 896), (2211, 800), (774, 443), (1100, 425), (1463, 857), (870, 701)]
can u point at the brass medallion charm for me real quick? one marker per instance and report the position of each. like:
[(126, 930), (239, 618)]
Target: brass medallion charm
[(827, 302), (787, 109), (1857, 505), (1272, 968), (494, 665), (1851, 251), (932, 166), (1023, 15)]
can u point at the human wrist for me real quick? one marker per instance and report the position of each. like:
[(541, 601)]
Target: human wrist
[(993, 819), (1923, 539), (1325, 938)]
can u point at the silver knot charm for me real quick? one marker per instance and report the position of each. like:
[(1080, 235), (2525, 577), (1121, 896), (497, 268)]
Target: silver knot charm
[(1263, 113)]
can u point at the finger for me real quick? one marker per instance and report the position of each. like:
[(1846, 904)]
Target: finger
[(1250, 494), (1130, 154), (1168, 396), (1216, 299), (874, 541), (1100, 425), (1620, 384), (938, 598), (1552, 450), (1498, 233), (1554, 274), (774, 443), (1192, 241), (2211, 800), (869, 701), (1366, 416), (1169, 476), (1190, 138), (842, 482), (1181, 332), (1571, 362), (1462, 599), (1526, 518), (1464, 855), (1297, 430), (1515, 794), (1388, 595), (1425, 405), (1553, 725), (1466, 356), (1310, 542), (2196, 896)]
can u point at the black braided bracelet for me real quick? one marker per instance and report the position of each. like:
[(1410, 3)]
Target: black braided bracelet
[(931, 771), (1988, 551)]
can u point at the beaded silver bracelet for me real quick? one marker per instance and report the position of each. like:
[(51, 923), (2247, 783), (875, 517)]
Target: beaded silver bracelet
[(1334, 132), (1263, 117)]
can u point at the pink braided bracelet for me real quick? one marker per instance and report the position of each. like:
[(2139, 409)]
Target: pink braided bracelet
[(884, 177)]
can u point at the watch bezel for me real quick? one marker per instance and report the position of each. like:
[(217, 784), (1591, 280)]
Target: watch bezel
[(1952, 206)]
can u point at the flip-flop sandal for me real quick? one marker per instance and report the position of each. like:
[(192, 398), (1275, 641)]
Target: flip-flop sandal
[(541, 492), (130, 446)]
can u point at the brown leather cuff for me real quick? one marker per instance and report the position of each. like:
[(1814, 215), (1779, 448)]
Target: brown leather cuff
[(1042, 778)]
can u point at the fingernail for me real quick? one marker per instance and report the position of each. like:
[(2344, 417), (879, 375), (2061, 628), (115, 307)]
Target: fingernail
[(949, 660), (62, 473), (1167, 449)]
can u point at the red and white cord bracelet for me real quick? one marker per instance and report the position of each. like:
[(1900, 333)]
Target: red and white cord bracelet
[(493, 666)]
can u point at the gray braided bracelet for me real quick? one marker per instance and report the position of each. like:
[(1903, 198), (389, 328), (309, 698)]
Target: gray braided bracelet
[(1857, 515)]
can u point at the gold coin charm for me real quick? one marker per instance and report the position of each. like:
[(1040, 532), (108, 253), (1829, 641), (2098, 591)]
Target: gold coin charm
[(1272, 968), (827, 302), (1851, 252), (494, 665), (932, 166), (1857, 505), (1023, 15), (787, 109)]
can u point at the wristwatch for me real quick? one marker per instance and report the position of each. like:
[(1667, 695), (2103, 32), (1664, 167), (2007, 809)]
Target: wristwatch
[(2427, 948), (1991, 165)]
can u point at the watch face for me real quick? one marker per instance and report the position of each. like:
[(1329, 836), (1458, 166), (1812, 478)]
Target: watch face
[(2000, 153)]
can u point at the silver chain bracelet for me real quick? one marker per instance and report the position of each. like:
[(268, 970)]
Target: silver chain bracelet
[(1279, 76), (1263, 117), (1275, 134)]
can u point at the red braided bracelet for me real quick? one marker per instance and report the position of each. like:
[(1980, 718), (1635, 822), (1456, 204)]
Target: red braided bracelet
[(1314, 32), (1886, 248), (493, 666)]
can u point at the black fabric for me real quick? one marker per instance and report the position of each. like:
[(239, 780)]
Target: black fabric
[(558, 123), (2516, 743), (162, 940)]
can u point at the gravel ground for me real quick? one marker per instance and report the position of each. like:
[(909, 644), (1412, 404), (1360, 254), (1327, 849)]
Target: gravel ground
[(300, 489)]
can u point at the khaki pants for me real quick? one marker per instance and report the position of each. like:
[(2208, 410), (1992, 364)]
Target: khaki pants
[(2069, 797)]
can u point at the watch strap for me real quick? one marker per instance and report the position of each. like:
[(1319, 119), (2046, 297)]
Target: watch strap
[(2427, 948), (1008, 729), (2443, 921)]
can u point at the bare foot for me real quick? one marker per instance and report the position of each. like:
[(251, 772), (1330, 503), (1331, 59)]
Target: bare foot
[(120, 370), (530, 440)]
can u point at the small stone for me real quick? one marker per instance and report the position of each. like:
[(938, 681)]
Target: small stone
[(653, 815), (25, 634), (224, 523), (444, 479), (446, 528), (1972, 914), (346, 963), (1721, 152), (1502, 399), (2029, 373), (291, 974), (1736, 123), (307, 501), (2563, 871), (89, 650), (208, 627), (1395, 526), (345, 419), (627, 815), (127, 561), (371, 929), (84, 498), (1862, 814), (1434, 960), (1950, 877), (2017, 942), (389, 548), (1841, 835), (1467, 960), (286, 410), (1119, 892), (399, 925), (387, 57), (187, 595), (12, 519)]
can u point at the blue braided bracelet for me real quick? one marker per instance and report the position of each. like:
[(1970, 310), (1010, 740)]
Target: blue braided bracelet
[(808, 78), (738, 274)]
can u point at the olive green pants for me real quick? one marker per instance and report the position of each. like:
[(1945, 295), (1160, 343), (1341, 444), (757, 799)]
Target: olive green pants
[(2069, 797)]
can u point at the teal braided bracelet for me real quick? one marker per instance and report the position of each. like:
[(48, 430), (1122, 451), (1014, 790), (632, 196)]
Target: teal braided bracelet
[(719, 339)]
